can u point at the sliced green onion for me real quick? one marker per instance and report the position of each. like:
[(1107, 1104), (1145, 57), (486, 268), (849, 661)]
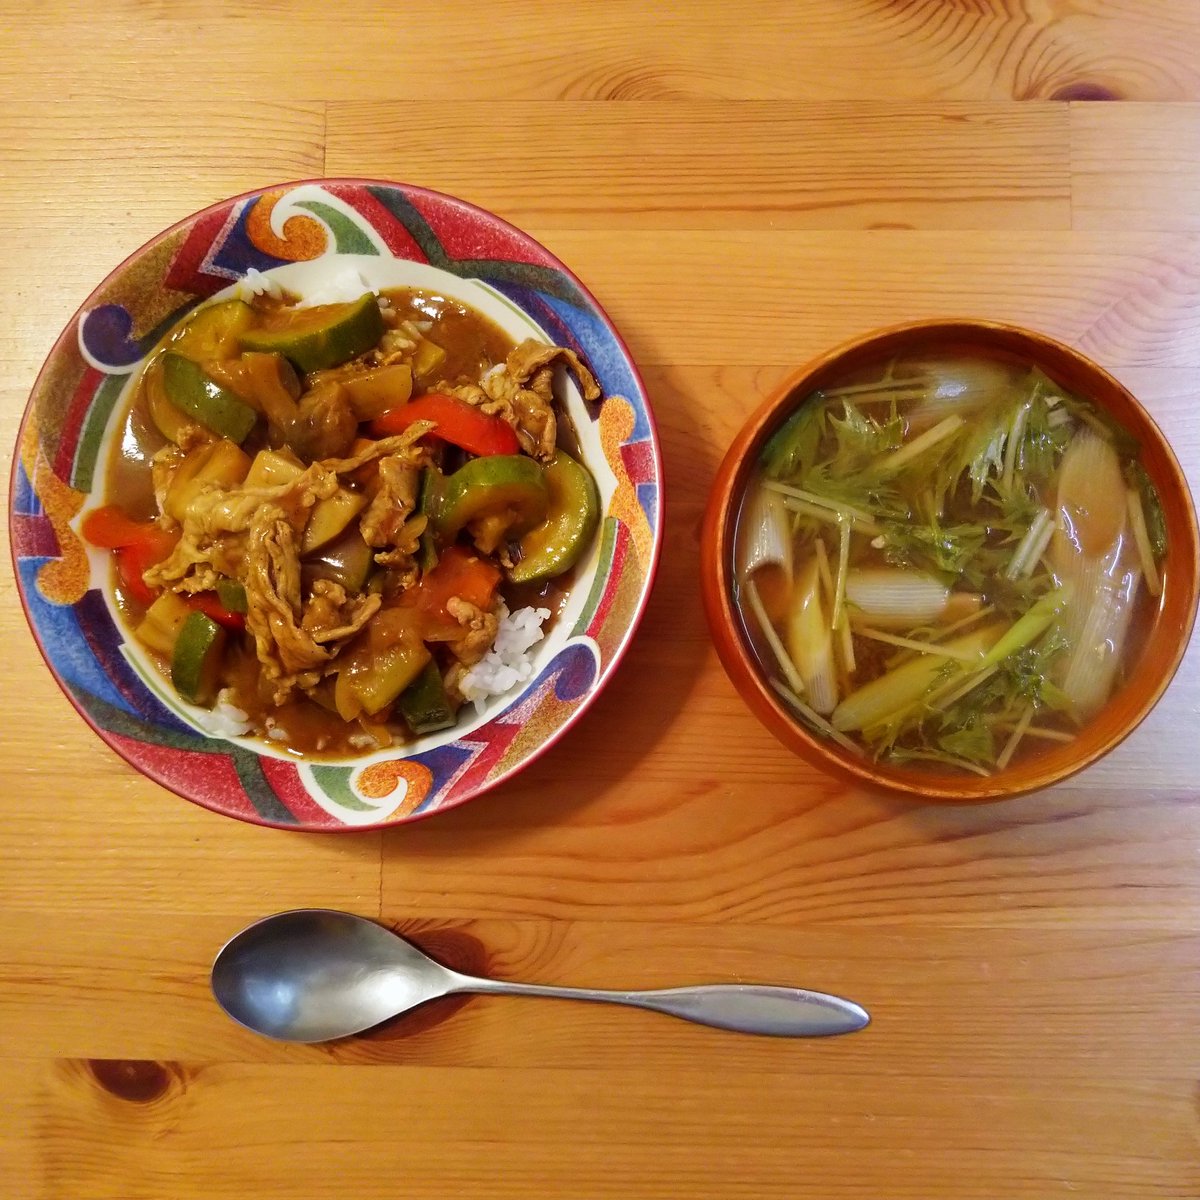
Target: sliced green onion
[(839, 587), (879, 700), (772, 638), (808, 639), (767, 538), (1028, 627), (1032, 546), (829, 515), (1141, 538), (878, 635), (899, 459), (1014, 739), (843, 511), (816, 719), (893, 597)]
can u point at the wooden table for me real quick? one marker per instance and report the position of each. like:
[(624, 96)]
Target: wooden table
[(741, 186)]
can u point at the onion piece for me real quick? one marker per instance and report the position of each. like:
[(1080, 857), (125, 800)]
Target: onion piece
[(764, 535), (890, 598), (1091, 668), (1090, 498), (959, 386), (1091, 557), (809, 641), (874, 702)]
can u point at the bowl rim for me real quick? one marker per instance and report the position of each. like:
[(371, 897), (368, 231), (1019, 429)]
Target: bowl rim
[(620, 647), (717, 573)]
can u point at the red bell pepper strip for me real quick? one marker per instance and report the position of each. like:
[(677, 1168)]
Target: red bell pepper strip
[(457, 422), (136, 546), (132, 563), (110, 529), (210, 605), (459, 572)]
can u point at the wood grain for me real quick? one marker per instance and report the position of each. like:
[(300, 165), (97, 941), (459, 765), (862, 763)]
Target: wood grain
[(78, 193), (1127, 298), (503, 1130), (136, 987), (1135, 163), (621, 50), (665, 165), (741, 188)]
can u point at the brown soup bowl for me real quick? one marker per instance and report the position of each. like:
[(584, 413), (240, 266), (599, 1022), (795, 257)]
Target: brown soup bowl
[(1145, 678)]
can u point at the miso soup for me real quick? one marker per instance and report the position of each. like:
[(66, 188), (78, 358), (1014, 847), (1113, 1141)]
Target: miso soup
[(948, 560)]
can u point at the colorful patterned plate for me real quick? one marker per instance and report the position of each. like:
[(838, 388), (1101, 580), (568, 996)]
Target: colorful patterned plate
[(394, 235)]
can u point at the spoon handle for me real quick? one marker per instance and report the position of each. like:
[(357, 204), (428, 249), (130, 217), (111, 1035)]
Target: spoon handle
[(744, 1008)]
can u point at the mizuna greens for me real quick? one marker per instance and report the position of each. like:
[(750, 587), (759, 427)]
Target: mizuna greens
[(940, 561)]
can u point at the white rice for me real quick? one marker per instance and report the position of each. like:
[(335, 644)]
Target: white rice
[(224, 719), (508, 662), (255, 283), (506, 665), (348, 284)]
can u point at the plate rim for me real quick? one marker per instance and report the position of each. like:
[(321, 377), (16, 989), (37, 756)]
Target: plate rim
[(658, 533)]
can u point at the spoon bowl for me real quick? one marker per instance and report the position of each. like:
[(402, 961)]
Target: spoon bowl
[(315, 974)]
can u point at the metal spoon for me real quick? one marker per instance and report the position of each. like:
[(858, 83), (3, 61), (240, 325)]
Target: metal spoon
[(315, 974)]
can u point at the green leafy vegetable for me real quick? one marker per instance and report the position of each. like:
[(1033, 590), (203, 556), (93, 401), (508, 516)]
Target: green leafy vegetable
[(860, 437), (1011, 596), (904, 754), (862, 490), (962, 729), (945, 549), (1021, 679), (791, 451), (1015, 510), (1125, 444), (977, 453), (972, 740), (1042, 443)]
